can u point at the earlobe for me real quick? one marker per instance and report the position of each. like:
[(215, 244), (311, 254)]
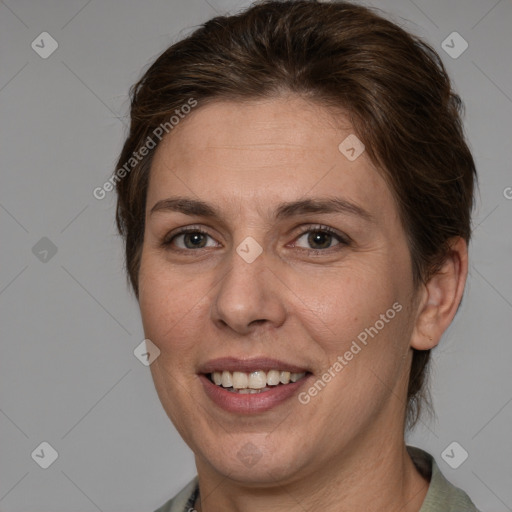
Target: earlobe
[(441, 297)]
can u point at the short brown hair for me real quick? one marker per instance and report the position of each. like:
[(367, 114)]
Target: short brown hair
[(392, 85)]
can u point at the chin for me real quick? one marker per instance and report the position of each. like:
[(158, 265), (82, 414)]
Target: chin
[(251, 463)]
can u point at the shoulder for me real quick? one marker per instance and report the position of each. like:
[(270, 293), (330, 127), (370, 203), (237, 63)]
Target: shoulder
[(184, 500), (442, 496)]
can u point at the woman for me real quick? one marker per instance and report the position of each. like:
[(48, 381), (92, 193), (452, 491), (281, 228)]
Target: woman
[(295, 197)]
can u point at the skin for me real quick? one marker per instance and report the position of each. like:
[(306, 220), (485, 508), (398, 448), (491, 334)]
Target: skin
[(345, 449)]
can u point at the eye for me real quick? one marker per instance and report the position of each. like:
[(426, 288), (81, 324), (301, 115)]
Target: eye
[(321, 237), (190, 238)]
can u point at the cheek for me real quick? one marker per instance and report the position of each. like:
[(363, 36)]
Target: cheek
[(342, 304), (361, 315), (169, 303), (364, 353)]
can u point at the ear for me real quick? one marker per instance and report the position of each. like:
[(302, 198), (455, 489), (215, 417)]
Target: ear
[(440, 297)]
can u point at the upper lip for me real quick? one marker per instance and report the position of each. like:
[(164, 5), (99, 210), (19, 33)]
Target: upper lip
[(233, 364)]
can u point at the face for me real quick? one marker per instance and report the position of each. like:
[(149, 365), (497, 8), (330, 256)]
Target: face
[(294, 260)]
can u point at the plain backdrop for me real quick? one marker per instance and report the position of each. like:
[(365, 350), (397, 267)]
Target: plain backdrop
[(68, 374)]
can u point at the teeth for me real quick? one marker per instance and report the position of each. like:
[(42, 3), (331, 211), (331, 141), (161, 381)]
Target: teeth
[(240, 380), (273, 378), (255, 381), (227, 381)]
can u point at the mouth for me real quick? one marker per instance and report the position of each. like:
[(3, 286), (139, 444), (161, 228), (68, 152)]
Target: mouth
[(250, 386)]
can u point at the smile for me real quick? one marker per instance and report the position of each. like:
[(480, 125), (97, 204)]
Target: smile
[(258, 381), (252, 385)]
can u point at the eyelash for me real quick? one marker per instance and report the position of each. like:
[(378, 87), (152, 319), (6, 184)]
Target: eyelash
[(343, 240)]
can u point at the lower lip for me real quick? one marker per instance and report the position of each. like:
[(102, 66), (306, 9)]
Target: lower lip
[(250, 403)]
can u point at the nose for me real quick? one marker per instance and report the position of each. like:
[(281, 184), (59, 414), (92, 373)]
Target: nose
[(249, 294)]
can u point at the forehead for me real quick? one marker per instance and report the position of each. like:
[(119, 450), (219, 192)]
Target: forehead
[(266, 150)]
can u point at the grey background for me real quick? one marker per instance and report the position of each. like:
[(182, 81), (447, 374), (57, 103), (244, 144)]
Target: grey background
[(68, 375)]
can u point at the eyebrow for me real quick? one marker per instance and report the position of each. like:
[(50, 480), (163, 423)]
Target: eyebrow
[(199, 208)]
